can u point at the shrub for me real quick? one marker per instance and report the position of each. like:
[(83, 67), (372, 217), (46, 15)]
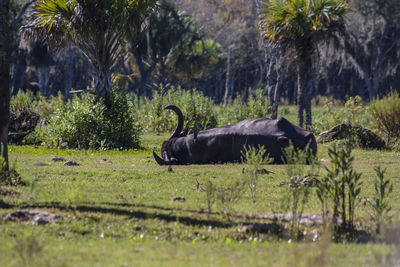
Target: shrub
[(386, 115), (82, 123), (255, 106), (196, 108)]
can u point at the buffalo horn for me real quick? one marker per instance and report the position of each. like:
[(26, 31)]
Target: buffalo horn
[(159, 160), (179, 127)]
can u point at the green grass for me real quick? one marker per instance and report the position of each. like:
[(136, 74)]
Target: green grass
[(119, 212)]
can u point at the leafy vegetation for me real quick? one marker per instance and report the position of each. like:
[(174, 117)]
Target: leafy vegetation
[(386, 116), (78, 123), (197, 109)]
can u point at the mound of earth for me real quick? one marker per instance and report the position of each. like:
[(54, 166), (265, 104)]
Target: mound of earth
[(37, 217), (365, 137)]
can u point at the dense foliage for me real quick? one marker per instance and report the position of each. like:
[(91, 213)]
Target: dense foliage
[(386, 115), (78, 123)]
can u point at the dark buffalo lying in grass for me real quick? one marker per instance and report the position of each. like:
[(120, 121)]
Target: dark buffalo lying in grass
[(224, 144)]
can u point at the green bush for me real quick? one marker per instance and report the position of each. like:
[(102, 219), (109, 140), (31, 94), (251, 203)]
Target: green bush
[(386, 115), (196, 108), (79, 123), (255, 106)]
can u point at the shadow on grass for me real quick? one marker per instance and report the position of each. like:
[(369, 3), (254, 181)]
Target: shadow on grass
[(124, 212)]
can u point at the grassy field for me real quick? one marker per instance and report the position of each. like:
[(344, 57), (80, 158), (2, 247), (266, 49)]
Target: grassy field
[(116, 210)]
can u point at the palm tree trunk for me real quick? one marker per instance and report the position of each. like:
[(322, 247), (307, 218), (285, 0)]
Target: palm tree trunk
[(102, 84), (4, 78)]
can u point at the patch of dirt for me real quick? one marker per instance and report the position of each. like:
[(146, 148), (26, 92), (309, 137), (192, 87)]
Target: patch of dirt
[(38, 164), (7, 192), (58, 158), (71, 163), (36, 217), (178, 199)]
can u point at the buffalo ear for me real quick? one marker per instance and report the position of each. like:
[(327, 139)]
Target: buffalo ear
[(184, 133), (283, 141)]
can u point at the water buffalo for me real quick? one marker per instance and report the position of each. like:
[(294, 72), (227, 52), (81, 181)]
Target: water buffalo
[(224, 144)]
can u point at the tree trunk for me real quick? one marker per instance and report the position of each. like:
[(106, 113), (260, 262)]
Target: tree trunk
[(228, 78), (44, 80), (303, 65), (19, 71), (102, 84), (4, 78), (70, 72)]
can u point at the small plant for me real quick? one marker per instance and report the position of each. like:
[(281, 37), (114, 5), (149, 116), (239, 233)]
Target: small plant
[(254, 159), (75, 192), (210, 194), (257, 105), (341, 184), (228, 194), (355, 106), (380, 204), (27, 246), (302, 169), (386, 115)]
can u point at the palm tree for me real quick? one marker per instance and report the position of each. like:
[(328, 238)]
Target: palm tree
[(301, 25), (4, 78), (97, 27)]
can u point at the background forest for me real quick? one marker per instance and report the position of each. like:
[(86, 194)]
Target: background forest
[(215, 47)]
